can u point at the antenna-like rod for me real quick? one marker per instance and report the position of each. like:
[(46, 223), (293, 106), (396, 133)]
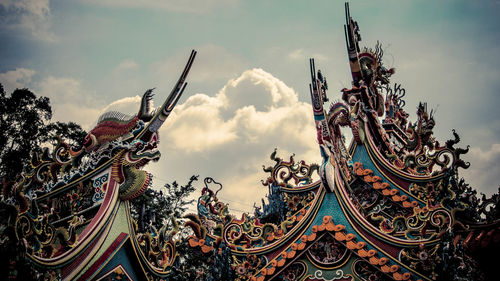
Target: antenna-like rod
[(164, 111)]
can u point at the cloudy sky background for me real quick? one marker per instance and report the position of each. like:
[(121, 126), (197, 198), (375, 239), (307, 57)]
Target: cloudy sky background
[(248, 88)]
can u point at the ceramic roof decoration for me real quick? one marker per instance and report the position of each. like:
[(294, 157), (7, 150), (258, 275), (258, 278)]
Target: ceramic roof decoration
[(72, 207), (390, 206)]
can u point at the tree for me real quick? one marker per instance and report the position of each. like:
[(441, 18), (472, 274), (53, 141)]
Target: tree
[(158, 208), (72, 133), (25, 126)]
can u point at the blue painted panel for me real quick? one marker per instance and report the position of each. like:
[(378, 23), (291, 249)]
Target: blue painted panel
[(361, 155), (122, 257)]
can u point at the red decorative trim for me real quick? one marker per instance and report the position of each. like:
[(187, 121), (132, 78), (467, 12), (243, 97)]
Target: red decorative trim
[(113, 269), (68, 269), (106, 207), (106, 204), (100, 261)]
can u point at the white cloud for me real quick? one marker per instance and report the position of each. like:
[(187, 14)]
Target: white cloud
[(18, 78), (230, 136), (32, 16), (258, 89), (128, 105), (186, 6), (125, 65), (70, 101), (248, 109), (197, 125)]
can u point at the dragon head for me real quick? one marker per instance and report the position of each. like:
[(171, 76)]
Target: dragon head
[(64, 196), (372, 67), (142, 141), (141, 152)]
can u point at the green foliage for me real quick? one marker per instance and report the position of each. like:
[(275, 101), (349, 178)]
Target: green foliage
[(25, 127), (158, 207), (191, 263), (71, 132)]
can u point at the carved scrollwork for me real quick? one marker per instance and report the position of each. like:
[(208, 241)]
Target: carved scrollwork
[(157, 245), (283, 172), (423, 259)]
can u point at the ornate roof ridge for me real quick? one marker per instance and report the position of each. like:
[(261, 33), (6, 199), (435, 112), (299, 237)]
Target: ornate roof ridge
[(294, 222), (349, 240), (383, 187)]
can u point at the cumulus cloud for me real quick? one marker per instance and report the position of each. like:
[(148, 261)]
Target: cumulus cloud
[(246, 110), (128, 105), (18, 78), (70, 101), (197, 125), (32, 16), (230, 135), (258, 89)]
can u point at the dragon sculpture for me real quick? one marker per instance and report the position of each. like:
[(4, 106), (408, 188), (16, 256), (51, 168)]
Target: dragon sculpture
[(390, 206), (70, 199)]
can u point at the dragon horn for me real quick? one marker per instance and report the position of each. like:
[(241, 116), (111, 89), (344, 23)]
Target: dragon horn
[(164, 111)]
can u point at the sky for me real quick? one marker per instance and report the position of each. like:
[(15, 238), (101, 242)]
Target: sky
[(248, 89)]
